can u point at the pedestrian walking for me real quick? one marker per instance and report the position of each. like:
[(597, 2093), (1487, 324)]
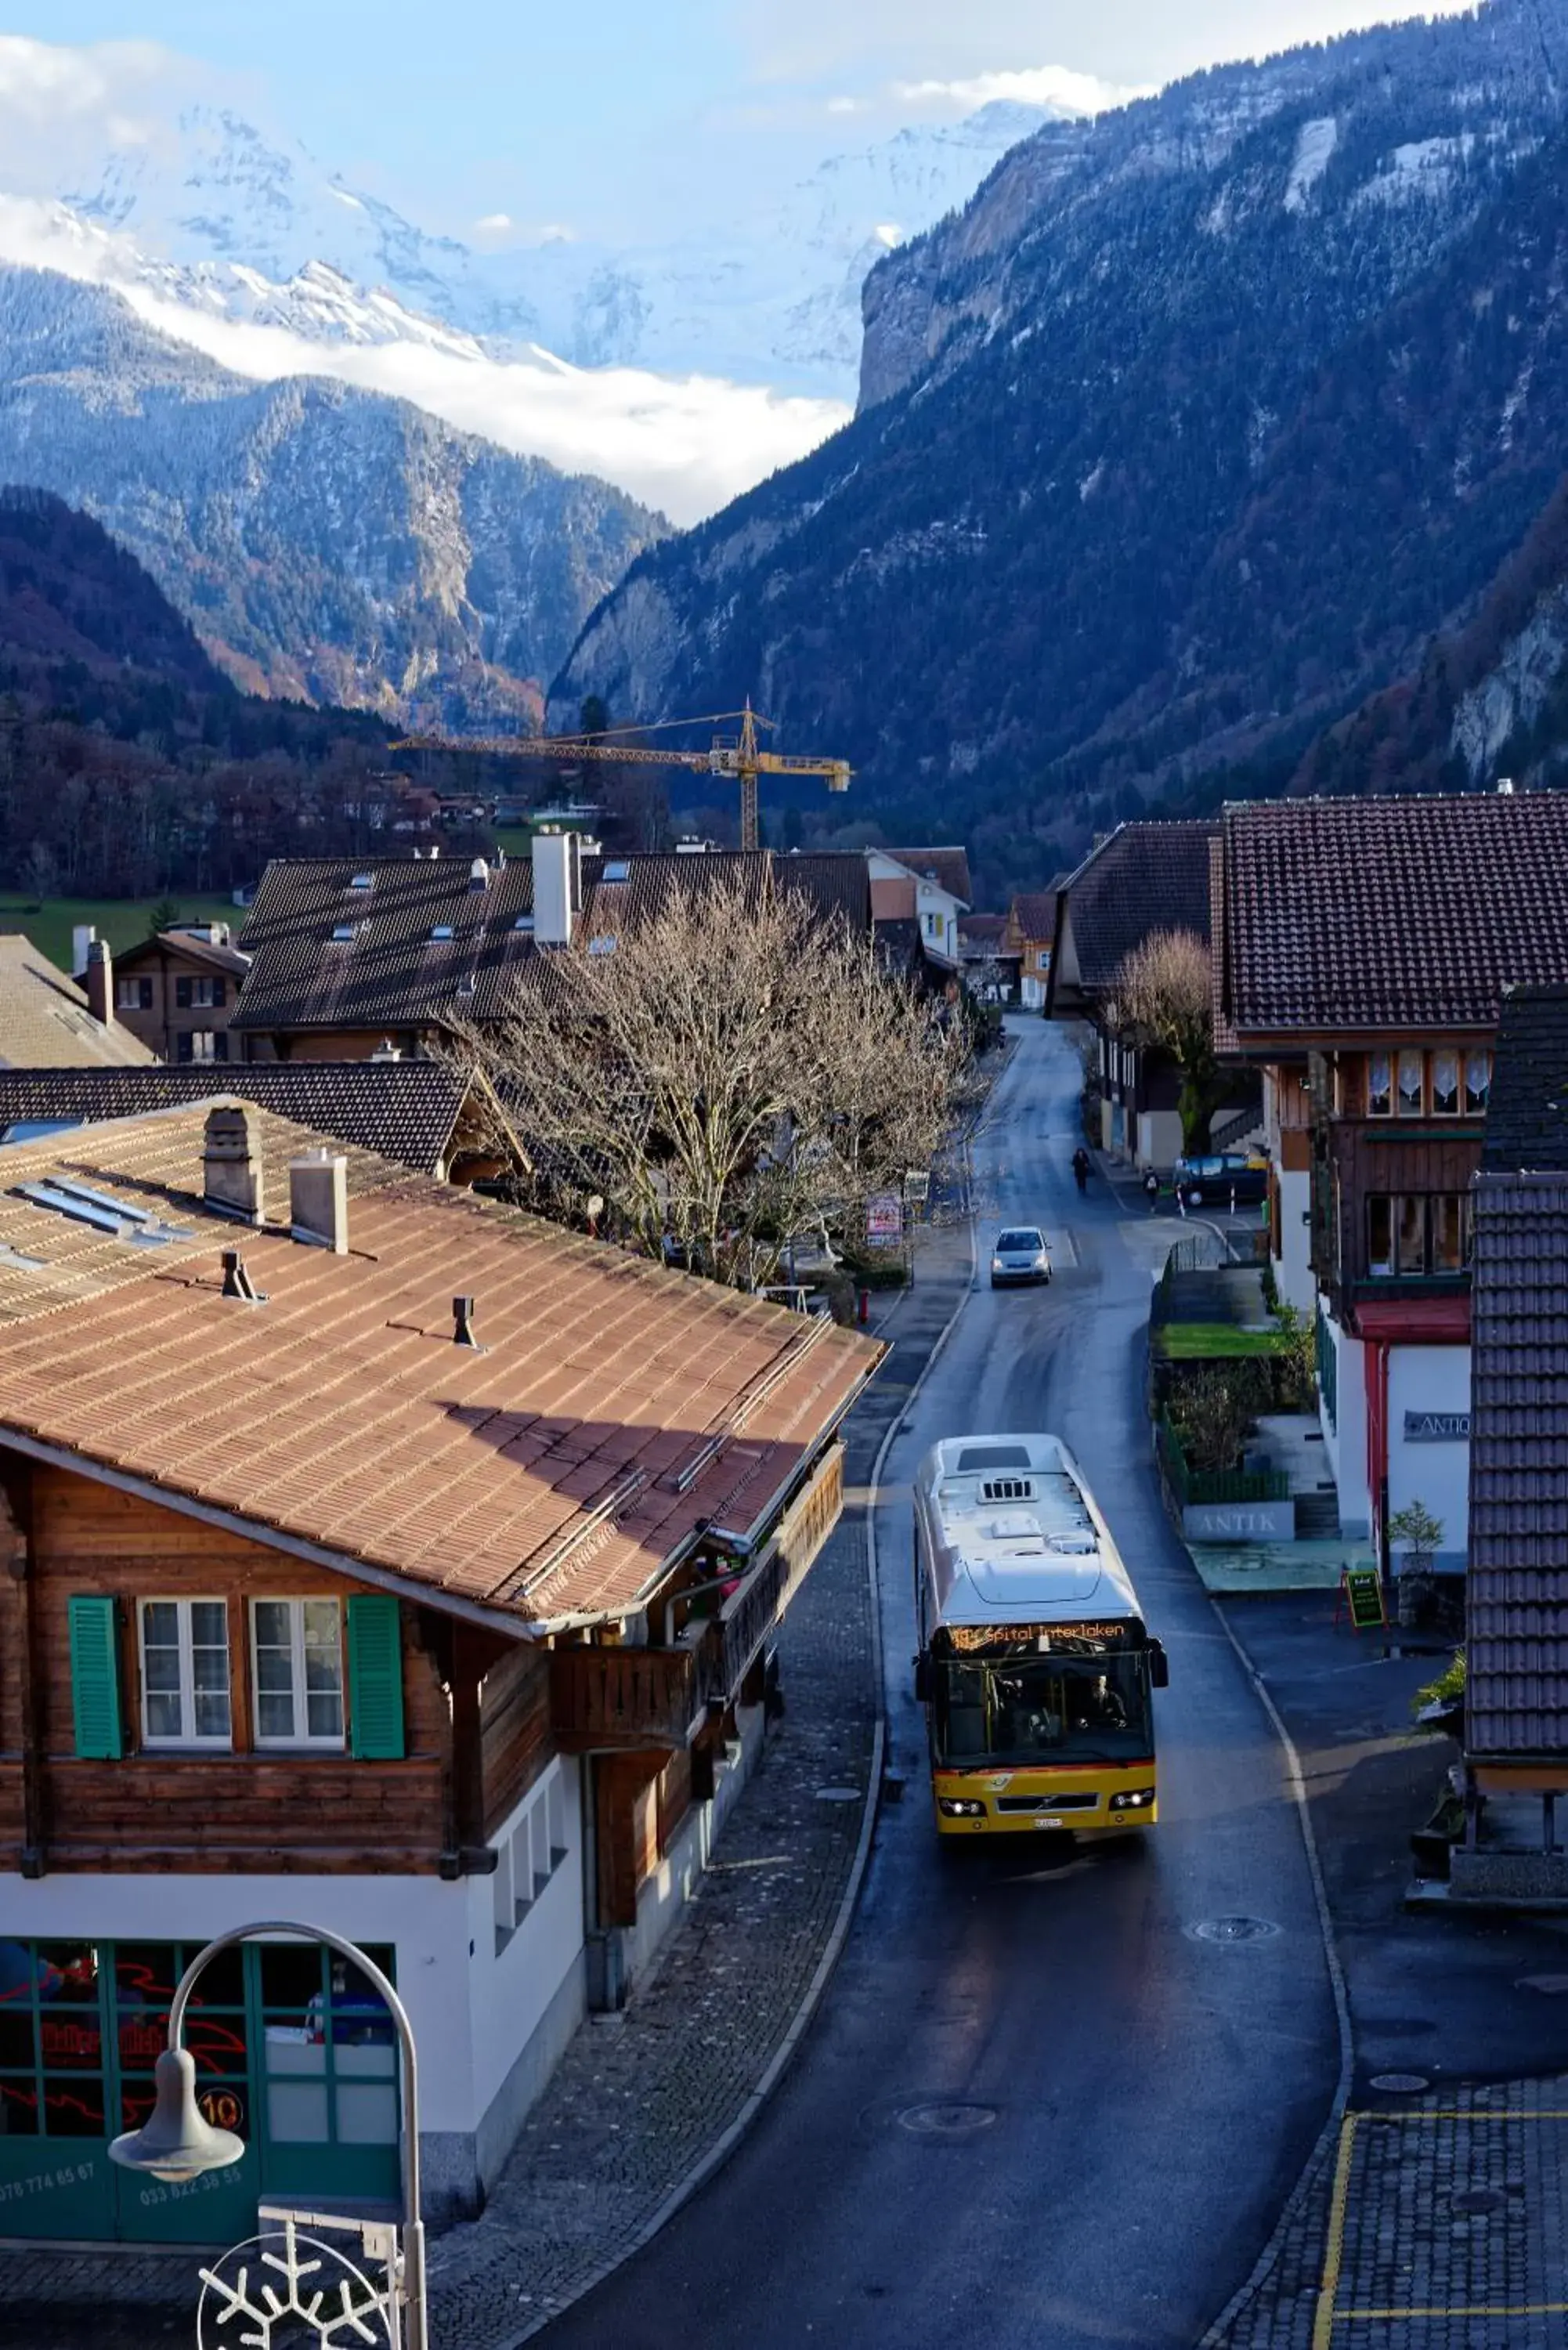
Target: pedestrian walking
[(1151, 1192)]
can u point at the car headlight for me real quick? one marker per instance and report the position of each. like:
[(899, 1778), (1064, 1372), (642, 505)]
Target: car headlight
[(1042, 1263), (1132, 1799), (997, 1266), (961, 1807)]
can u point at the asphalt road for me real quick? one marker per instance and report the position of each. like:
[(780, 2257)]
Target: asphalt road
[(1037, 2111)]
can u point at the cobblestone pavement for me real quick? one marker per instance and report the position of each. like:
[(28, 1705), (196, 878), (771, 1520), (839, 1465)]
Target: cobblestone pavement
[(1434, 2222), (636, 2103)]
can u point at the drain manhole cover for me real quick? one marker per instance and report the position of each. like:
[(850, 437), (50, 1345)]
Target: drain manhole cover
[(838, 1795), (1399, 2084), (1479, 2200), (945, 2119), (1234, 1930), (1554, 1986)]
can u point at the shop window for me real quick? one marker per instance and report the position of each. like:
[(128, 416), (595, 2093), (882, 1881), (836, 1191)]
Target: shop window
[(1410, 1234), (1478, 1083), (1413, 1234), (331, 2049), (298, 1646), (1446, 1084), (1412, 1092), (1379, 1085), (184, 1649), (1448, 1251), (1379, 1236)]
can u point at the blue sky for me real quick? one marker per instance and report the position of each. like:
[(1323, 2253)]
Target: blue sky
[(618, 118)]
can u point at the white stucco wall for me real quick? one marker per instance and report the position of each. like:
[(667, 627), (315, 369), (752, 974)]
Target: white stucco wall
[(1345, 1439), (1159, 1138), (1292, 1273), (1430, 1379)]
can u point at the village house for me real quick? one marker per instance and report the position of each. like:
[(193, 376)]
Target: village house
[(350, 960), (928, 887), (1516, 1630), (1363, 949), (1140, 879), (49, 1020), (432, 1114), (379, 1555), (1028, 937), (990, 965), (176, 991)]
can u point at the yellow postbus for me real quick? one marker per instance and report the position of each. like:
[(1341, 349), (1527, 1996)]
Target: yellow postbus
[(1035, 1666)]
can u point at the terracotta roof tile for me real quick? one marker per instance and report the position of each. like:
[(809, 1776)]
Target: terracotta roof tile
[(341, 1413)]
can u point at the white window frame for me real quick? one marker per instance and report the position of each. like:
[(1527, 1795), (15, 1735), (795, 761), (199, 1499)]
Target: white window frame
[(187, 1736), (300, 1735)]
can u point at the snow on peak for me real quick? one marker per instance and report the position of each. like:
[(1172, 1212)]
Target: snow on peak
[(1314, 148)]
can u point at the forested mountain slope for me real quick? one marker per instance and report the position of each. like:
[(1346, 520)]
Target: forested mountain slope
[(1186, 436)]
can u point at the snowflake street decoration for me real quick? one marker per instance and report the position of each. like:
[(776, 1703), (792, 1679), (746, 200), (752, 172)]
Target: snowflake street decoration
[(308, 2284)]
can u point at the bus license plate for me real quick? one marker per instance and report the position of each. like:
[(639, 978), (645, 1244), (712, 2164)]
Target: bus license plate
[(1047, 1824)]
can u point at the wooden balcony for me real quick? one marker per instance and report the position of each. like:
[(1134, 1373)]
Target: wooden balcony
[(605, 1701)]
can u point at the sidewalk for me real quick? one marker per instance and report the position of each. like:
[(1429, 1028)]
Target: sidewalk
[(640, 2102), (1433, 2214)]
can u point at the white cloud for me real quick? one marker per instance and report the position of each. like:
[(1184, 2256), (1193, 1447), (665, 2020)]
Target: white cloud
[(1058, 88), (493, 224), (686, 444), (847, 105)]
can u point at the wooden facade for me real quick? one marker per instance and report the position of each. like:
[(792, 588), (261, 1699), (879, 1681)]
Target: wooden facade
[(1358, 1161), (474, 1707)]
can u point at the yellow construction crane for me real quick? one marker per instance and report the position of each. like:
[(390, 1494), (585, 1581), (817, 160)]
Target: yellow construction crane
[(729, 754)]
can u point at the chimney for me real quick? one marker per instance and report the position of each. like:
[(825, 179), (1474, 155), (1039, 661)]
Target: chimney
[(1505, 786), (318, 1201), (99, 981), (462, 1324), (557, 887), (232, 1163), (82, 937)]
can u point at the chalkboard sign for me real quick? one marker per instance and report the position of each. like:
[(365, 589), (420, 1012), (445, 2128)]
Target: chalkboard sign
[(1361, 1590)]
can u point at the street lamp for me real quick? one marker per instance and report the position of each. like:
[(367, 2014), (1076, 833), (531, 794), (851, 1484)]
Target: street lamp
[(178, 2144)]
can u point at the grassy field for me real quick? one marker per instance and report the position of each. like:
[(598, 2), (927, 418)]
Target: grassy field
[(1209, 1342), (123, 921)]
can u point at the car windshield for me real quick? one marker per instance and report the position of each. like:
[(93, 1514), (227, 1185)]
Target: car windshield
[(1042, 1709), (1015, 1242)]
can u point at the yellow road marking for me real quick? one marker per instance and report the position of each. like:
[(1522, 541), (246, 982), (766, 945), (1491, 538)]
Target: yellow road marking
[(1333, 2252), (1467, 2309)]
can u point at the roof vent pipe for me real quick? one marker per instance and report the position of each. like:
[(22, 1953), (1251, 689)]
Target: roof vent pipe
[(1505, 787), (462, 1324), (319, 1201), (237, 1282), (232, 1163)]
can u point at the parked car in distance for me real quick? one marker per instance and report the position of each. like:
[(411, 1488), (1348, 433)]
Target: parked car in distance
[(1213, 1182), (1020, 1255)]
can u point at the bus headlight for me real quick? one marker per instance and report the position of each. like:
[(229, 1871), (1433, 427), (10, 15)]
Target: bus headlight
[(961, 1807), (1132, 1799)]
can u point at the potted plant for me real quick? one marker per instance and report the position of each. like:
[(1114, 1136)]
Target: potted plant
[(1420, 1536)]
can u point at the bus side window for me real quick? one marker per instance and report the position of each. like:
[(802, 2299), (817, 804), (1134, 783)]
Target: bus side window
[(1158, 1666)]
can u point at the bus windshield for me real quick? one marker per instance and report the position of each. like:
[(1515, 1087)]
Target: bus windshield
[(1053, 1709)]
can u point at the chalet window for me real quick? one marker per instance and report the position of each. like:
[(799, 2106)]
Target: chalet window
[(1412, 1234), (298, 1651), (1411, 1091), (133, 995), (182, 996), (204, 1044), (1446, 1083), (1478, 1083), (199, 993), (1379, 1085), (184, 1673)]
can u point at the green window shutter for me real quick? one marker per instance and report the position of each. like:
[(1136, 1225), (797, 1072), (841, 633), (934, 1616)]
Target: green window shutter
[(375, 1676), (95, 1680)]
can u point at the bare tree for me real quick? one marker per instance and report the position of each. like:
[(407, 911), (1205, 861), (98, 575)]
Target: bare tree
[(1163, 993), (725, 1075)]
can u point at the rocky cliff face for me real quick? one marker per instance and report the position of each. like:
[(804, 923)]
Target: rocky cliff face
[(1183, 437), (328, 544)]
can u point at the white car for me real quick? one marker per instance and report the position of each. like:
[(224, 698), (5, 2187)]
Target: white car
[(1020, 1255)]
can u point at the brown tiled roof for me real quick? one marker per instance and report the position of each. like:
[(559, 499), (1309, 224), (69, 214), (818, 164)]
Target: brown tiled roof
[(1034, 911), (405, 1110), (947, 868), (1516, 1608), (392, 974), (538, 1478), (198, 951), (981, 930), (1143, 878), (1394, 913), (44, 1017), (1526, 1109)]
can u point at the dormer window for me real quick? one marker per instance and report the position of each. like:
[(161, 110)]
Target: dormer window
[(523, 923), (440, 931), (363, 881), (617, 870), (345, 933)]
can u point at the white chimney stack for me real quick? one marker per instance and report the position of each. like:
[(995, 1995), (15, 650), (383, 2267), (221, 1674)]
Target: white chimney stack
[(553, 895), (318, 1201), (82, 937)]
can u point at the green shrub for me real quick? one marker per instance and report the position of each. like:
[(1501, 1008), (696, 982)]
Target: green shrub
[(1448, 1687)]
